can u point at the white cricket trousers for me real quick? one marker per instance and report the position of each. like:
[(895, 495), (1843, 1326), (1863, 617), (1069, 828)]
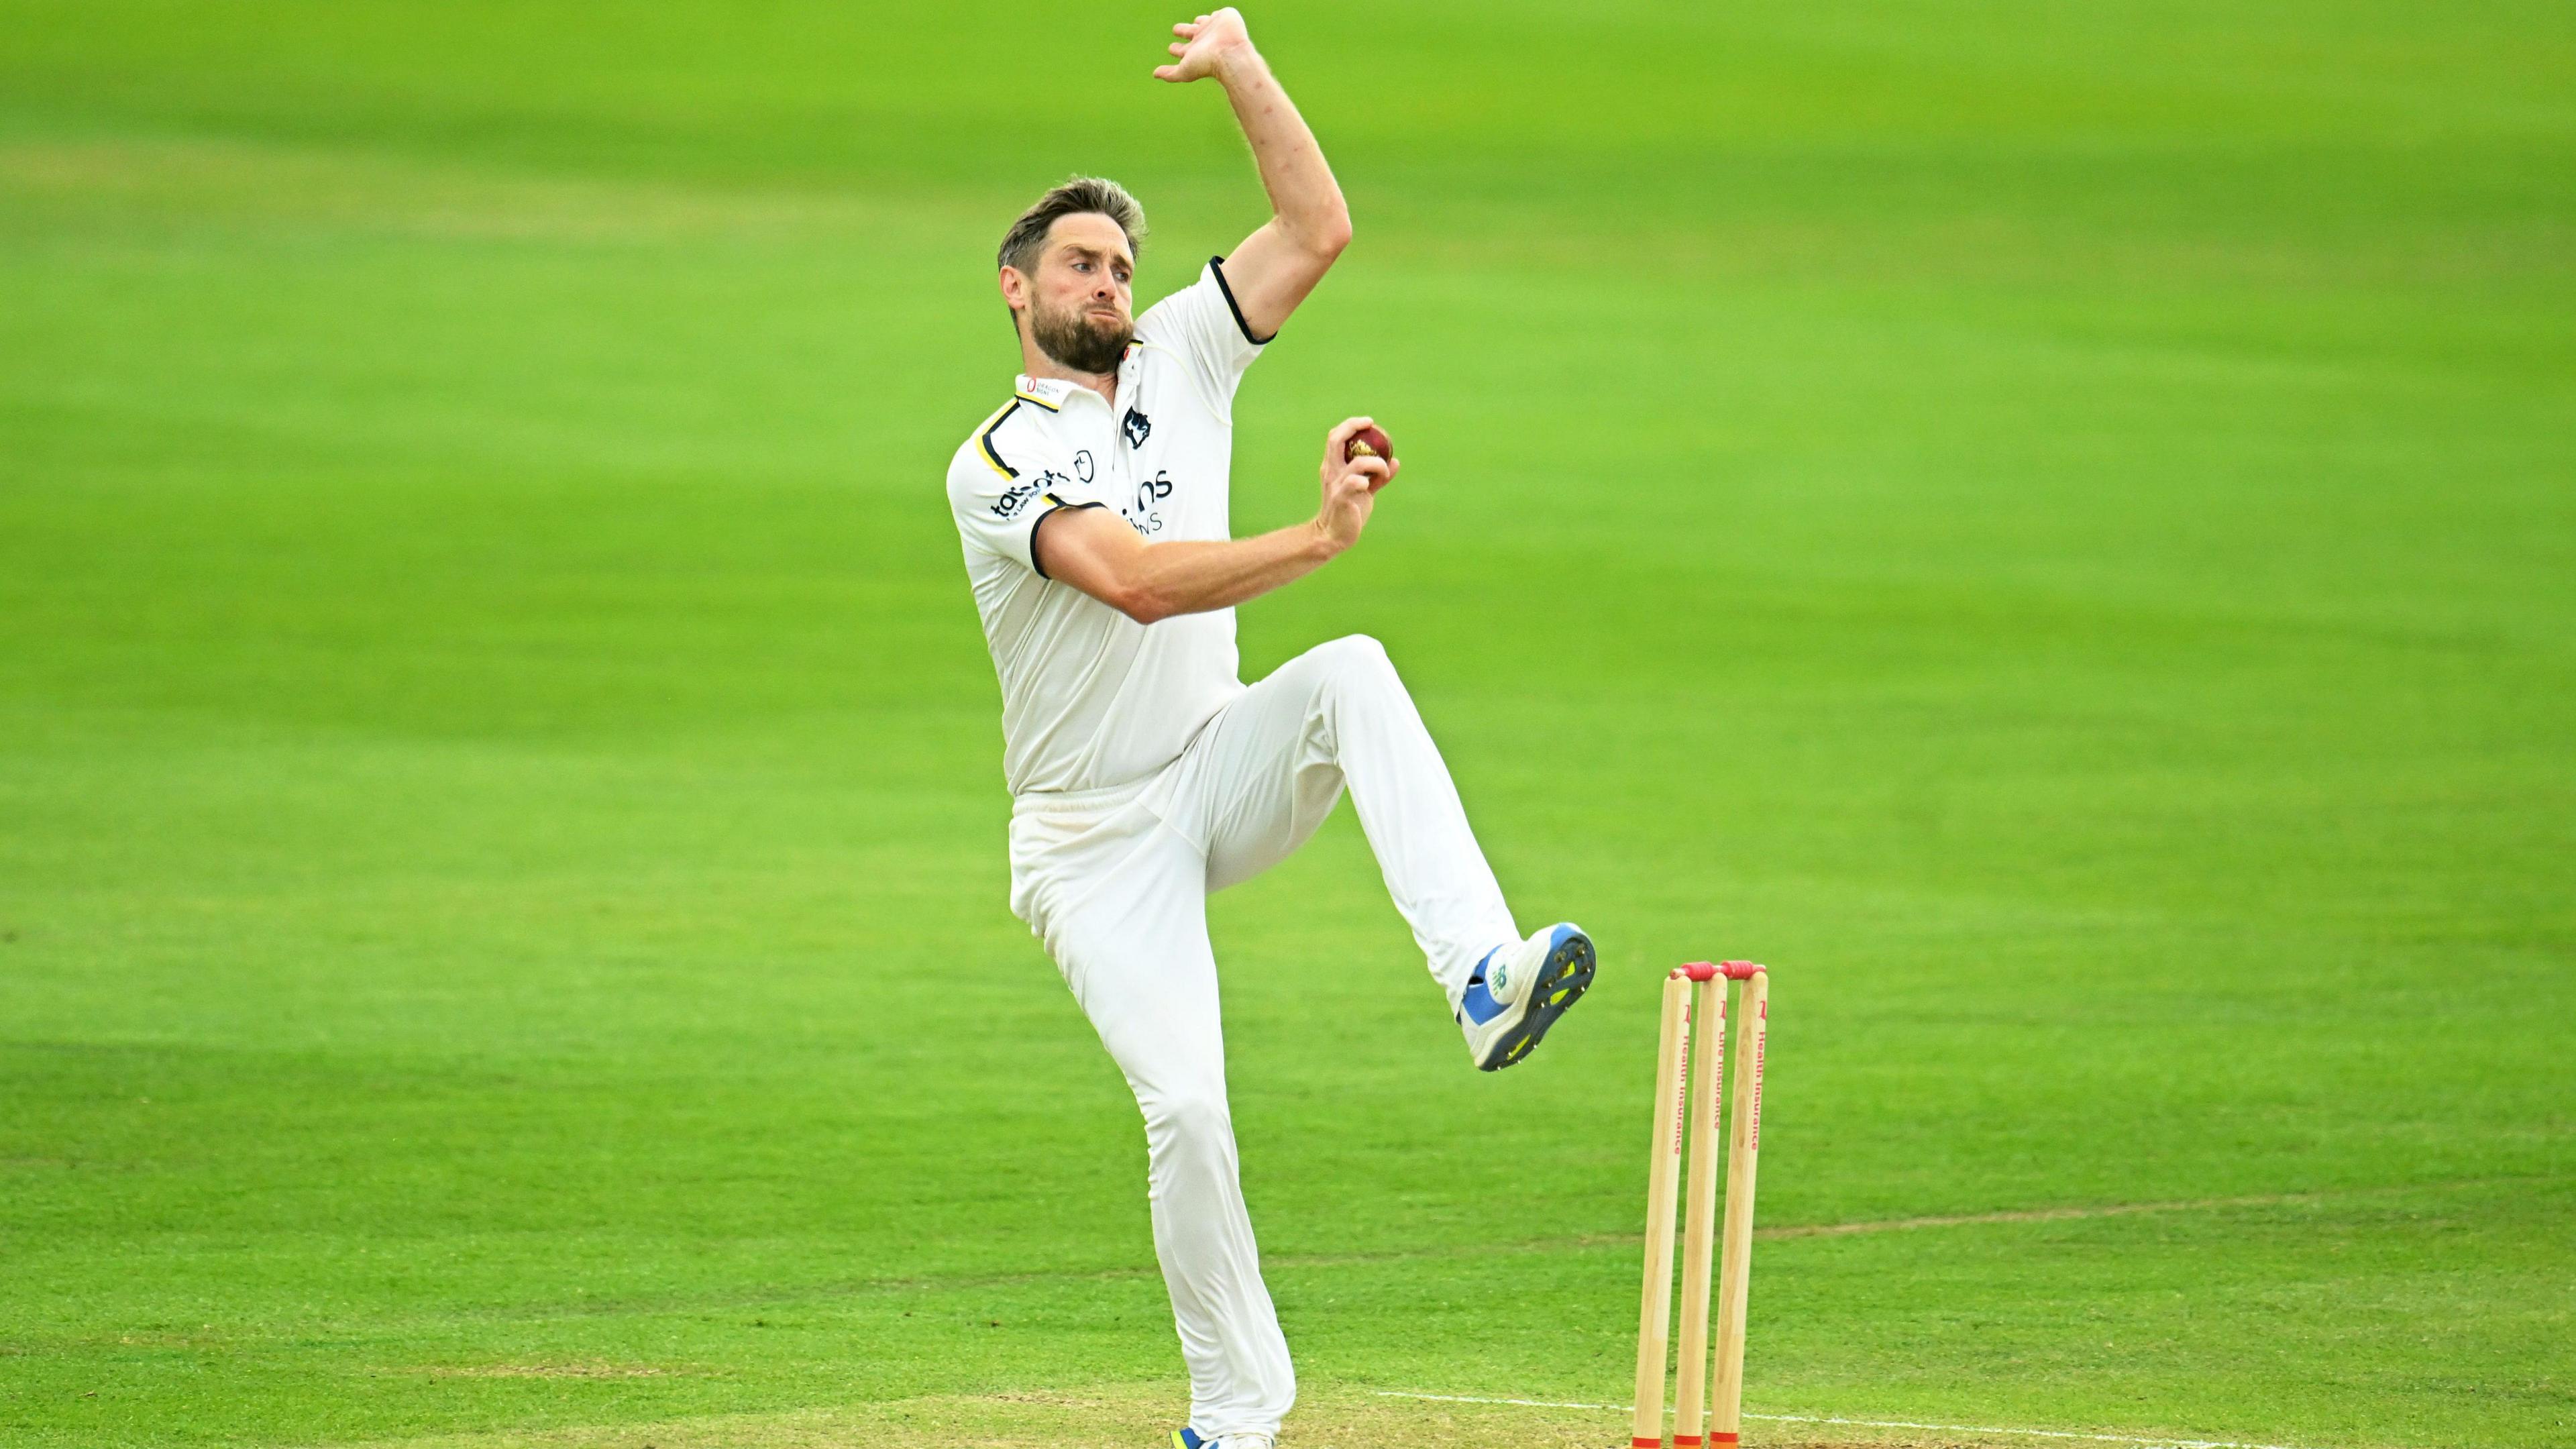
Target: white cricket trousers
[(1116, 881)]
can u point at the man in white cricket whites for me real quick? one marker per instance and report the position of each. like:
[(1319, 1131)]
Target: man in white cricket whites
[(1144, 773)]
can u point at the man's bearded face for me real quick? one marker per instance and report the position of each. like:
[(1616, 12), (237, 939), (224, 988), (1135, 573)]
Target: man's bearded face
[(1079, 337), (1081, 302)]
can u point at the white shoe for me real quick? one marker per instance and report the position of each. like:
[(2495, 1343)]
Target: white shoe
[(1518, 992)]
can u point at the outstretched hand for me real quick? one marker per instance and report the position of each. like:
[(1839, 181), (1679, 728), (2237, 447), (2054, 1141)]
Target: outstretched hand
[(1204, 44), (1350, 486)]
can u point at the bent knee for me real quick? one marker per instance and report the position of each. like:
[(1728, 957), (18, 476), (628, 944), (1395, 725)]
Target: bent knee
[(1355, 657), (1353, 649)]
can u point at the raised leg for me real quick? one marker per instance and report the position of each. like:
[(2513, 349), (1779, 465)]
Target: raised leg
[(1267, 770)]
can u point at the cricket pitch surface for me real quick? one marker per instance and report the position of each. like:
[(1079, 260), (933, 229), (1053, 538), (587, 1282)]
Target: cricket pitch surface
[(1126, 1417)]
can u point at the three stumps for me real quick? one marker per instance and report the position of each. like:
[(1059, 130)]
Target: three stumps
[(1695, 995)]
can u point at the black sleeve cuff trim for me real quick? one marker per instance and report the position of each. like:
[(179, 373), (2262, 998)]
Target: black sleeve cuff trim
[(1217, 265), (1038, 522)]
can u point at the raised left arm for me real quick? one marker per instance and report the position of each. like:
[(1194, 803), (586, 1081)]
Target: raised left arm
[(1279, 264)]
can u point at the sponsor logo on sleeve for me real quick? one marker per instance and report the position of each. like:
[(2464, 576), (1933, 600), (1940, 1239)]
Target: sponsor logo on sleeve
[(1020, 495), (1013, 499)]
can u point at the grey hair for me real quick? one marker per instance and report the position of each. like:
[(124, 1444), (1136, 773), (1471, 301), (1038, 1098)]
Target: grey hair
[(1020, 245)]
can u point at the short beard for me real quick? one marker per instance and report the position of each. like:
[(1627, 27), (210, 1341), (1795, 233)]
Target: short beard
[(1078, 343)]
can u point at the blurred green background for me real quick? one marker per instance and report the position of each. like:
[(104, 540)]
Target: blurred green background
[(2054, 525)]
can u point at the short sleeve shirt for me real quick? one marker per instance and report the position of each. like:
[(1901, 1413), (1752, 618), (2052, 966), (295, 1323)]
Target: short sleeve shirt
[(1090, 697)]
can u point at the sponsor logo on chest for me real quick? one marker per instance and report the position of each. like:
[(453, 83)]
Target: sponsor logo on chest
[(1145, 513)]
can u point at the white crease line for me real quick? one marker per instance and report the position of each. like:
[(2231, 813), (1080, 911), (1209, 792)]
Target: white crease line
[(1861, 1423), (1521, 1403)]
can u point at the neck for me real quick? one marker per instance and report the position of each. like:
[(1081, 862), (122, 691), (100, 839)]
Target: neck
[(1035, 362)]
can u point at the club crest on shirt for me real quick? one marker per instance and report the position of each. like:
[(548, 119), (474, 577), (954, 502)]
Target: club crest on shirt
[(1137, 426)]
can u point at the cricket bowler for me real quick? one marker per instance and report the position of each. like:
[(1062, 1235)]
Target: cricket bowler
[(1144, 773)]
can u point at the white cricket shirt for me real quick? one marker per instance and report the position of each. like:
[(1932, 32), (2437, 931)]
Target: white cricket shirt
[(1090, 697)]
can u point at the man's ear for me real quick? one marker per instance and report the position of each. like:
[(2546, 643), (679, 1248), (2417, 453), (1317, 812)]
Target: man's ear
[(1015, 288)]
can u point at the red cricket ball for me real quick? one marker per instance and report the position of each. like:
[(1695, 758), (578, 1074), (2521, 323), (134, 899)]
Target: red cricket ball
[(1369, 442)]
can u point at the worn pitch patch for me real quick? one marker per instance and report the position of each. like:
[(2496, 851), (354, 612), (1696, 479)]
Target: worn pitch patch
[(1977, 1433), (1127, 1416)]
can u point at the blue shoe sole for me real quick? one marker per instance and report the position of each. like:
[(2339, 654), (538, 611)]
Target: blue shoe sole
[(1562, 982)]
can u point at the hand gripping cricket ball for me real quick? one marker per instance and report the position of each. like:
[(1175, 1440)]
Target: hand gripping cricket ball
[(1369, 442)]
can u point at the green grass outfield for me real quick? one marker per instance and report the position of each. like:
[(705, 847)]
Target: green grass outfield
[(2054, 524)]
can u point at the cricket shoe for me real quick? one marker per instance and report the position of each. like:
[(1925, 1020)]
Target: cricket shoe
[(1193, 1439), (1518, 992)]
